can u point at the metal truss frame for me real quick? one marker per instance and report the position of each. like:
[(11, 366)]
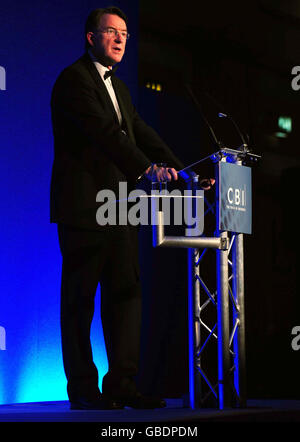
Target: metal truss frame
[(228, 329), (227, 389)]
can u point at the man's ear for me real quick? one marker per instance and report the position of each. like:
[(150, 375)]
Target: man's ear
[(90, 38)]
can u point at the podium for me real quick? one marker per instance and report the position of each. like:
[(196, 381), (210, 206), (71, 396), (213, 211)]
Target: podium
[(233, 218)]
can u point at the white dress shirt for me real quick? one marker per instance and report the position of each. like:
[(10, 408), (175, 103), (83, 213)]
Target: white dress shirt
[(108, 83)]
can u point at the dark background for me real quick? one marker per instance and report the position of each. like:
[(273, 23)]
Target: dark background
[(237, 57)]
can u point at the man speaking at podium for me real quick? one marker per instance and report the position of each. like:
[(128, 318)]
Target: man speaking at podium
[(99, 141)]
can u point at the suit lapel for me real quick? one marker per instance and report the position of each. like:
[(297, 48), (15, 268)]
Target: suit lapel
[(125, 115), (99, 82)]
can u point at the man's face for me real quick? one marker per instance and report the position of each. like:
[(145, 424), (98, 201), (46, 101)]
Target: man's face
[(109, 49)]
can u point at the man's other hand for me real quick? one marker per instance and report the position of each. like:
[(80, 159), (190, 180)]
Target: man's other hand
[(207, 183)]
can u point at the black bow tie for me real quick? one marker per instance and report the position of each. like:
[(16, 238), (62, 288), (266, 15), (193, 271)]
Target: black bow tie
[(110, 72)]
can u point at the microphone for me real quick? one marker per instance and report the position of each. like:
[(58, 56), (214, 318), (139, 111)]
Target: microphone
[(244, 145), (199, 107)]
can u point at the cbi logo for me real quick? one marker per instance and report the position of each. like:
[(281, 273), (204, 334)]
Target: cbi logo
[(236, 197), (2, 79), (2, 338)]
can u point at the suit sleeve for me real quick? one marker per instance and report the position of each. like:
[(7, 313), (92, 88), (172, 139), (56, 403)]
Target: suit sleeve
[(75, 99), (147, 139), (152, 144)]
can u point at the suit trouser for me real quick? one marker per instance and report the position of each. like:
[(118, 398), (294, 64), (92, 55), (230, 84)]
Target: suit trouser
[(111, 258)]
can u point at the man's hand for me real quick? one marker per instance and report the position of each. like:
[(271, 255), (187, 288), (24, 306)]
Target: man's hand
[(161, 174)]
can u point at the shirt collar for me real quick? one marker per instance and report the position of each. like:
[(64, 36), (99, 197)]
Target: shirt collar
[(100, 67)]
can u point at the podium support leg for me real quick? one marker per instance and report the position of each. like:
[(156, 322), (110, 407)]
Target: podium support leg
[(195, 393), (223, 327), (239, 315)]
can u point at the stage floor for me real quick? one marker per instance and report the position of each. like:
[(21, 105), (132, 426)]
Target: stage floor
[(256, 411)]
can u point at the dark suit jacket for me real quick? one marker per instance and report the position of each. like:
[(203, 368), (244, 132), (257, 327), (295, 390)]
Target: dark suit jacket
[(90, 151)]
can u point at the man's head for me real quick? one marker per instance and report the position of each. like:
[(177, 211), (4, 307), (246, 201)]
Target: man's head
[(106, 34)]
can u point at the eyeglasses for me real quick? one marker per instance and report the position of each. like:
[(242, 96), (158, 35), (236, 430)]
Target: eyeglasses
[(114, 32)]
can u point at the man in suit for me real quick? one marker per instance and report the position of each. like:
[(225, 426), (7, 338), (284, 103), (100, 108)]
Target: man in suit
[(100, 141)]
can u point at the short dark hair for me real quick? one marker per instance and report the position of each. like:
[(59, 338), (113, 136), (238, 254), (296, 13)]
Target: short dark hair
[(93, 19)]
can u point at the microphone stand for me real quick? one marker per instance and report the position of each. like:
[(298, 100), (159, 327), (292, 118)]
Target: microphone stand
[(244, 146), (219, 145)]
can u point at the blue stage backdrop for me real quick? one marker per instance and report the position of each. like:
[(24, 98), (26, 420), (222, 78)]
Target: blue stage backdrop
[(38, 39)]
